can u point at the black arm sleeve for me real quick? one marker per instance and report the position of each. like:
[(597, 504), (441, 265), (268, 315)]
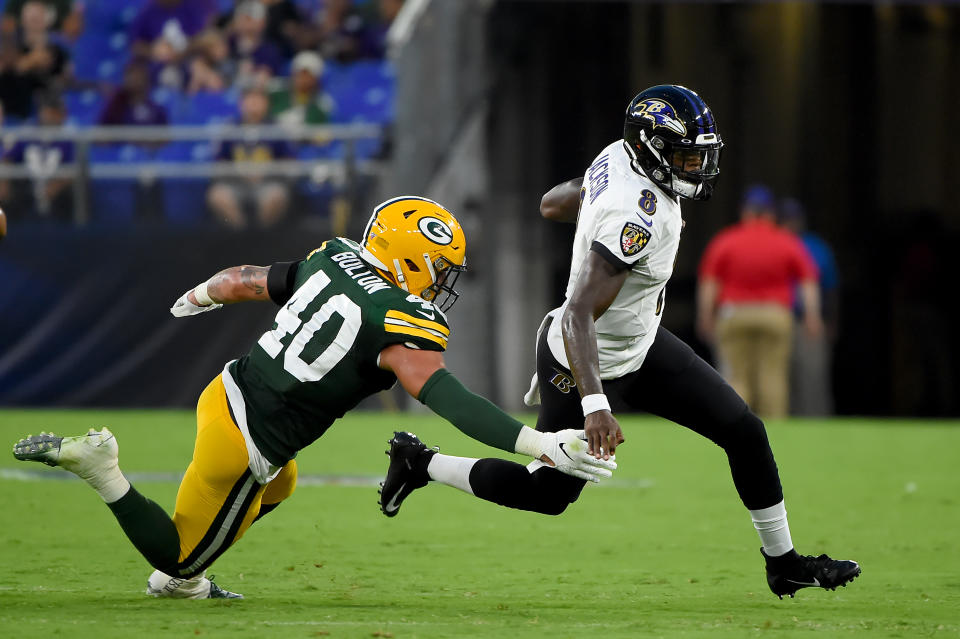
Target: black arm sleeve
[(280, 280)]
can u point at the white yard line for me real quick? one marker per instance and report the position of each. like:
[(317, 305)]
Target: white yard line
[(364, 481)]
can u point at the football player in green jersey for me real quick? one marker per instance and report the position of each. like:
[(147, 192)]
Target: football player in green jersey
[(354, 319)]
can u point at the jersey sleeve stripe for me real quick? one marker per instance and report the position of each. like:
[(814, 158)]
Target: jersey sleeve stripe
[(416, 332), (316, 250), (395, 322), (419, 321)]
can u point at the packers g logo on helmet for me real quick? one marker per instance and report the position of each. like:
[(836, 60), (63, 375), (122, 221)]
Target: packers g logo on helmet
[(435, 230), (421, 244)]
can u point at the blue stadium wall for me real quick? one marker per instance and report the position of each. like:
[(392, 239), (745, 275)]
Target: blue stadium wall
[(84, 317)]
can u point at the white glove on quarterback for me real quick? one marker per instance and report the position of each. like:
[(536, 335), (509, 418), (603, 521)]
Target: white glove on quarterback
[(184, 307), (566, 451)]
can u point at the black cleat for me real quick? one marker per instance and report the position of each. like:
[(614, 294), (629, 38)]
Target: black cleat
[(409, 458), (788, 574)]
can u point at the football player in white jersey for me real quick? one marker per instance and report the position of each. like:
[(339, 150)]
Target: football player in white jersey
[(604, 347)]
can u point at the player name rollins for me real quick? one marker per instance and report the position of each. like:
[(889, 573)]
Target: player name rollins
[(357, 270)]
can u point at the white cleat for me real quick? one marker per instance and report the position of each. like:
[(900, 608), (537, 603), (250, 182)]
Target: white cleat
[(87, 456), (163, 585)]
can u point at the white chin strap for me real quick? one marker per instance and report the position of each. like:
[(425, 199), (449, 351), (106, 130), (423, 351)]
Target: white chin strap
[(401, 280), (433, 273)]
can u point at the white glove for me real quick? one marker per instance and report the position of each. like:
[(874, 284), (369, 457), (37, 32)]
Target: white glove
[(566, 451), (184, 307)]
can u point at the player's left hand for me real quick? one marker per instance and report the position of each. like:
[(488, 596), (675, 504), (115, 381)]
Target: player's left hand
[(603, 434), (184, 306)]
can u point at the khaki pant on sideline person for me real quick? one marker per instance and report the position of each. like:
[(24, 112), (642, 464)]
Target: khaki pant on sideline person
[(754, 343)]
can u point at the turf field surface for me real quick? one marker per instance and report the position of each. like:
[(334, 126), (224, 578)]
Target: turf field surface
[(664, 550)]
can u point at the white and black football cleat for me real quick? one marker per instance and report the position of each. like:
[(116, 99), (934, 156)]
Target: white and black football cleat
[(162, 585), (409, 458), (85, 455), (788, 574)]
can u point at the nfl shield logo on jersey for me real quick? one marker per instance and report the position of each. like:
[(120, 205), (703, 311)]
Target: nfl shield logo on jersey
[(633, 238)]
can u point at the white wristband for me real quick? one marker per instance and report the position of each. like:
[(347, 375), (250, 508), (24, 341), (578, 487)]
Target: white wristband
[(200, 292), (529, 442), (593, 403)]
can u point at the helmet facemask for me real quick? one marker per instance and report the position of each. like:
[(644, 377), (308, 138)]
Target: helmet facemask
[(686, 170), (445, 275)]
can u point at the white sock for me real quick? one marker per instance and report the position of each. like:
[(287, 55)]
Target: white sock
[(452, 471), (771, 524), (110, 484)]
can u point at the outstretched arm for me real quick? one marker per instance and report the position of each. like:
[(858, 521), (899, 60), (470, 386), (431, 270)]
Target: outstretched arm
[(235, 284), (238, 284), (597, 287), (562, 202), (421, 373)]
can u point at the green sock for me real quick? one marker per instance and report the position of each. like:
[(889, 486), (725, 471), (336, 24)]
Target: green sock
[(149, 528)]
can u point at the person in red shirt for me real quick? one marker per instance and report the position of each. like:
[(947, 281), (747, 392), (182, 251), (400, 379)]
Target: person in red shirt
[(744, 298)]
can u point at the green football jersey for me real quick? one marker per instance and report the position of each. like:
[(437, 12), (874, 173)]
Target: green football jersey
[(320, 358)]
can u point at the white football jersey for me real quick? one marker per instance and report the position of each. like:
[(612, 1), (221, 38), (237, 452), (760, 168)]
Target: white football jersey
[(631, 221)]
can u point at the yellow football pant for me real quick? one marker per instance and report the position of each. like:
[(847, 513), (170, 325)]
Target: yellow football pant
[(218, 498)]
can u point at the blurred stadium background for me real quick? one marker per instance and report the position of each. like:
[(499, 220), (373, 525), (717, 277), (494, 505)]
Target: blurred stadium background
[(482, 105)]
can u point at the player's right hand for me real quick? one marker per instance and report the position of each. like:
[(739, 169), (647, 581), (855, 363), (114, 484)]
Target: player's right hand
[(184, 307), (603, 434), (566, 451)]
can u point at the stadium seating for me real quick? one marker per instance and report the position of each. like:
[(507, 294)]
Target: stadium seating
[(362, 92), (83, 107), (114, 200), (184, 198)]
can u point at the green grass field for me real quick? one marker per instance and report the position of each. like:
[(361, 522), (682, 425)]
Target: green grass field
[(665, 550)]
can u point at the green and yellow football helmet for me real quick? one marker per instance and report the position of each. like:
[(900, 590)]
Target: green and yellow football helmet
[(421, 244)]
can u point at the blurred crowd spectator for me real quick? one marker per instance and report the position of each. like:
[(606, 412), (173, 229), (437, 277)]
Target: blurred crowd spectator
[(131, 103), (42, 195), (31, 59), (274, 52), (302, 102), (253, 195)]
